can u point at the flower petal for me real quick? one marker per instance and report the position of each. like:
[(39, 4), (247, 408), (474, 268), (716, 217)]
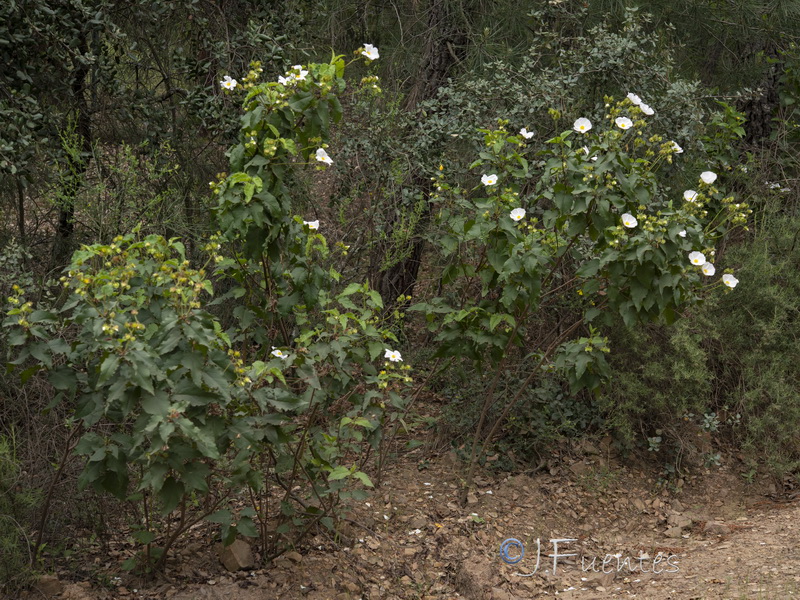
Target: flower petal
[(582, 125)]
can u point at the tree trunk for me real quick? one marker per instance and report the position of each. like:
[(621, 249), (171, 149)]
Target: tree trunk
[(77, 159), (760, 109), (445, 46)]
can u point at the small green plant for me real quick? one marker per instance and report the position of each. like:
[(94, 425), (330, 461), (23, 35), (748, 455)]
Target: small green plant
[(654, 443), (712, 459)]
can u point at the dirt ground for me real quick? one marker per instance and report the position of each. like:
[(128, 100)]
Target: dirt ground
[(710, 536)]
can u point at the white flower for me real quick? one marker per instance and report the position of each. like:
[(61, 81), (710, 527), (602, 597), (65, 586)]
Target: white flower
[(708, 177), (629, 221), (415, 532), (623, 122), (313, 225), (371, 52), (296, 73), (708, 269), (517, 214), (489, 179), (301, 73), (729, 280), (676, 148), (697, 258), (586, 150), (646, 109), (228, 83), (393, 355), (682, 233), (525, 133), (582, 125), (278, 353), (773, 185), (322, 156), (690, 196), (634, 98)]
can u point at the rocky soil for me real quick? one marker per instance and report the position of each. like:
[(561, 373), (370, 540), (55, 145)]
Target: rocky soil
[(710, 536)]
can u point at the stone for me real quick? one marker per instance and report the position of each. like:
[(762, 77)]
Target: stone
[(76, 591), (351, 586), (716, 528), (500, 594), (673, 532), (580, 468), (476, 577), (293, 556), (49, 586), (681, 521), (598, 579), (237, 556), (418, 522)]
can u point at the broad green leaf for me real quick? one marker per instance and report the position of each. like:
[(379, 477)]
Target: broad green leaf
[(108, 368), (339, 472), (361, 476)]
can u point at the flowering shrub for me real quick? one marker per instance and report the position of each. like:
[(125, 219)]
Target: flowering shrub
[(333, 401), (201, 410), (594, 236)]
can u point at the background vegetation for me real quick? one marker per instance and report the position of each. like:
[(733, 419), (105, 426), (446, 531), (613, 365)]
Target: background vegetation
[(172, 345)]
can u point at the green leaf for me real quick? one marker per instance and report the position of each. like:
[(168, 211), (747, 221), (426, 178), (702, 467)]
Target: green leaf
[(591, 314), (223, 517), (170, 495), (39, 351), (247, 527), (638, 294), (581, 362), (156, 404), (351, 289), (376, 298), (29, 372), (38, 316), (143, 537), (18, 338), (375, 349), (361, 476), (339, 472), (108, 368), (589, 268)]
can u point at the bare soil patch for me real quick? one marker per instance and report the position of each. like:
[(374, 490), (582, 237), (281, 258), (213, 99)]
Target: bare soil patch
[(712, 537)]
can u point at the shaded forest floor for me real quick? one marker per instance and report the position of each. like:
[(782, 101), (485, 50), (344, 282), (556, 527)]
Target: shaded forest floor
[(713, 537)]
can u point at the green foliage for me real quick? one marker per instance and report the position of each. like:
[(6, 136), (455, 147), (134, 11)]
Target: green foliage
[(171, 413), (547, 414), (660, 376), (127, 188), (602, 231), (729, 369), (138, 352), (39, 43), (15, 504), (279, 272), (570, 238)]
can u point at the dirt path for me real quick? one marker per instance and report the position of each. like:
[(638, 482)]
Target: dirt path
[(712, 539)]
